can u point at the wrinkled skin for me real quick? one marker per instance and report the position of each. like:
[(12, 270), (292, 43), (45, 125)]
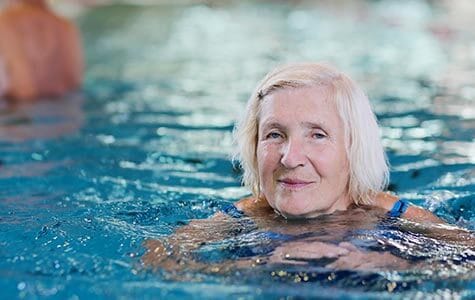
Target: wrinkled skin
[(301, 156)]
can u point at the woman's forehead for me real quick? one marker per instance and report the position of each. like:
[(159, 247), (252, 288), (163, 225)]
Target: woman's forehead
[(283, 124), (302, 105)]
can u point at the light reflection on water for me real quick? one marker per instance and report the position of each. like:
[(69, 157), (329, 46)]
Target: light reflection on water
[(149, 147)]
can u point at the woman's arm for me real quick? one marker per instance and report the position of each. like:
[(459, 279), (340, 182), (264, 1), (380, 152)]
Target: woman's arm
[(423, 221), (413, 213), (175, 252)]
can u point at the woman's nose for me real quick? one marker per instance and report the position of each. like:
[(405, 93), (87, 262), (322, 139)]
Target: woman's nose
[(293, 154)]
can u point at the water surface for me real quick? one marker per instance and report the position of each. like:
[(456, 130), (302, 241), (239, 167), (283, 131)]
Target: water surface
[(145, 147)]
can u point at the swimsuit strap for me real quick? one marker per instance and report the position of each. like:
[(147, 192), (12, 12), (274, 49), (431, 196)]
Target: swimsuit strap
[(232, 211), (399, 208)]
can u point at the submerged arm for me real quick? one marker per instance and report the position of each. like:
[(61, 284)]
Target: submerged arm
[(176, 253)]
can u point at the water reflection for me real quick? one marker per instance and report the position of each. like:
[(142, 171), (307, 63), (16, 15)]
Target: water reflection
[(164, 86), (41, 120)]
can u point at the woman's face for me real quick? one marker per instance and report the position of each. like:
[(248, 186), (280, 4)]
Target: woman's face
[(301, 157)]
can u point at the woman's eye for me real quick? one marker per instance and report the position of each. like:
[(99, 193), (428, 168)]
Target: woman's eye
[(319, 135), (274, 135)]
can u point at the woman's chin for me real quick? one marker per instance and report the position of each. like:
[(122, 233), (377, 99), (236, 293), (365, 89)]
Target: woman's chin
[(294, 212), (292, 216), (300, 212)]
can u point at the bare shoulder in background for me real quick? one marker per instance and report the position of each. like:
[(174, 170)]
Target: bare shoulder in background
[(41, 52)]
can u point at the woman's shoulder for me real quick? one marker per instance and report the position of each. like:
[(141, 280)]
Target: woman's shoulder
[(251, 205), (385, 200)]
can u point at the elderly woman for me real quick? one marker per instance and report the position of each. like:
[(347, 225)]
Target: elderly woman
[(309, 146)]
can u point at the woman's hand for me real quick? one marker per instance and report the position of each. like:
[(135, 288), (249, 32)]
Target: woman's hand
[(344, 255), (367, 260), (299, 252)]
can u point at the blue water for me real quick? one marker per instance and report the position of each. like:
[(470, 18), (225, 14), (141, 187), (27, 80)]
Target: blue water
[(85, 180)]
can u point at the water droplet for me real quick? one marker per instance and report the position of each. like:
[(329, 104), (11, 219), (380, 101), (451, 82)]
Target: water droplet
[(36, 156), (391, 286)]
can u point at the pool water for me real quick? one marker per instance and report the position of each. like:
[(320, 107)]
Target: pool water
[(144, 148)]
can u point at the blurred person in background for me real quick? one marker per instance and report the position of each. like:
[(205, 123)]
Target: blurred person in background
[(40, 52)]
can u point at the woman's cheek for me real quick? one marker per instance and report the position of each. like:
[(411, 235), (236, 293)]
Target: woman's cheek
[(267, 161), (267, 152)]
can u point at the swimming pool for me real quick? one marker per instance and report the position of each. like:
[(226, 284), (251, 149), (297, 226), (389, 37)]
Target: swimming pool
[(145, 148)]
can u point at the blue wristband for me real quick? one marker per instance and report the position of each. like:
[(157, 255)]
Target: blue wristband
[(399, 208)]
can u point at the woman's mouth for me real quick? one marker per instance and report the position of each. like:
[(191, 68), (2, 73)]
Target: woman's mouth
[(293, 183)]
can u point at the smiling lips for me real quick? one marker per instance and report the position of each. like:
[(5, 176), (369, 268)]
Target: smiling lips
[(294, 184)]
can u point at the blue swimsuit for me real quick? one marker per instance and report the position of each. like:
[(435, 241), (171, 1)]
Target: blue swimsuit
[(268, 240), (398, 209), (232, 211)]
